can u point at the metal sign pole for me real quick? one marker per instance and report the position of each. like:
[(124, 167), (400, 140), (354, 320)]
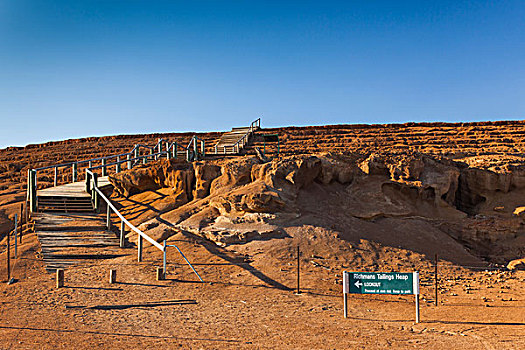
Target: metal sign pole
[(346, 289), (8, 257), (164, 256), (416, 293), (16, 224)]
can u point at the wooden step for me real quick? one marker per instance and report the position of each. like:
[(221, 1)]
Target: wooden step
[(68, 239)]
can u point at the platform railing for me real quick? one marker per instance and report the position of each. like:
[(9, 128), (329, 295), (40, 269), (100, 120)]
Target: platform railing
[(131, 159)]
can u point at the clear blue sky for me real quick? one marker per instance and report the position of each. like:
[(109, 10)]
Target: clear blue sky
[(82, 68)]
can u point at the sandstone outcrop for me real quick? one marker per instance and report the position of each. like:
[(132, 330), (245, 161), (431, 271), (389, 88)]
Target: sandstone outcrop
[(236, 200)]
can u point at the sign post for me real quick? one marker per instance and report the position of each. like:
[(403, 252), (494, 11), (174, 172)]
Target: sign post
[(346, 287), (381, 283)]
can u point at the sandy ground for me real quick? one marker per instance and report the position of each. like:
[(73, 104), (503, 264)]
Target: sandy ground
[(247, 303)]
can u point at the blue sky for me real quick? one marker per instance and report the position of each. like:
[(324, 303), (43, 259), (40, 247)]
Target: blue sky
[(83, 68)]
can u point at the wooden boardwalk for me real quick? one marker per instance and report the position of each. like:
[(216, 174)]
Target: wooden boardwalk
[(68, 239), (74, 189)]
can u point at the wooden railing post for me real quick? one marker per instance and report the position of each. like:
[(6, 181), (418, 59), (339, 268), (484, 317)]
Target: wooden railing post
[(88, 182), (136, 152), (122, 233), (32, 193), (128, 157), (117, 166), (56, 176), (74, 171), (108, 218), (94, 194), (104, 169), (175, 150), (28, 187)]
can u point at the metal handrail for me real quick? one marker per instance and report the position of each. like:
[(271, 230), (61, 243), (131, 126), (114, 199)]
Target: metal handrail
[(164, 258)]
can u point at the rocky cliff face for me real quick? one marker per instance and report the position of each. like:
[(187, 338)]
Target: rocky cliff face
[(238, 200)]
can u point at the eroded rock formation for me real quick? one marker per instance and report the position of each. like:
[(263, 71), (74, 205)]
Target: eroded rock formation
[(236, 200)]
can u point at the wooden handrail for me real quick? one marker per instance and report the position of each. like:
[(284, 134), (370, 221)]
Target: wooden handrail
[(124, 220)]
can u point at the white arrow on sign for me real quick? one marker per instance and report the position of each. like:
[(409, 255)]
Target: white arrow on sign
[(358, 284)]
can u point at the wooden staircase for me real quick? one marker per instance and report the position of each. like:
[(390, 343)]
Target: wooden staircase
[(65, 204), (69, 239), (69, 230), (68, 198), (234, 141)]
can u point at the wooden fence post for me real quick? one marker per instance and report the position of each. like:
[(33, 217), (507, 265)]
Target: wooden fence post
[(112, 276), (117, 166), (128, 157), (60, 278), (160, 274)]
